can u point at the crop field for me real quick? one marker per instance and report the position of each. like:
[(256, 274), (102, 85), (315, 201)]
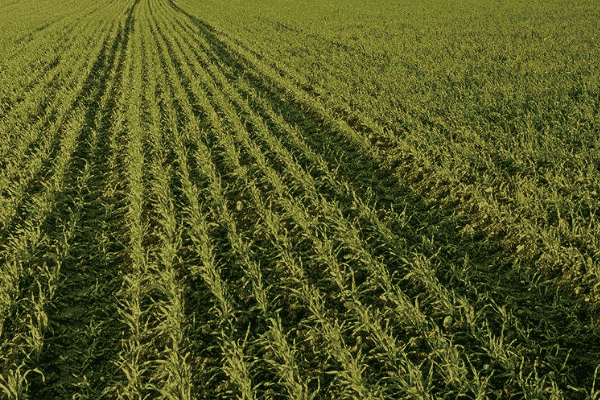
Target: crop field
[(276, 199)]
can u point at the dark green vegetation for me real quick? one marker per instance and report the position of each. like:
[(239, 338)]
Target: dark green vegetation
[(299, 199)]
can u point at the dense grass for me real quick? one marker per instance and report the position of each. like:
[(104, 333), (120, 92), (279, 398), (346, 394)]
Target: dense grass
[(307, 200)]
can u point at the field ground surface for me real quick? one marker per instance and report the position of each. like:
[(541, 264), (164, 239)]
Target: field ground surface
[(358, 199)]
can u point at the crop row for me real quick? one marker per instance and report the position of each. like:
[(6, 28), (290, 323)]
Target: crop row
[(185, 218)]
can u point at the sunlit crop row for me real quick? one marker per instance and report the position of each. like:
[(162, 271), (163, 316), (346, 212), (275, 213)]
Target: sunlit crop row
[(190, 212)]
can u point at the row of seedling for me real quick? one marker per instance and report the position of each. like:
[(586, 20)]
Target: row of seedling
[(31, 284)]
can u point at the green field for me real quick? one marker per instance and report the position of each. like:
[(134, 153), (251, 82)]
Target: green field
[(311, 199)]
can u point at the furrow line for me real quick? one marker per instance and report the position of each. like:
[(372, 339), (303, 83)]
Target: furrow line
[(23, 338), (31, 68), (332, 262), (253, 270), (172, 374), (346, 362), (235, 367), (24, 145), (83, 311), (354, 241)]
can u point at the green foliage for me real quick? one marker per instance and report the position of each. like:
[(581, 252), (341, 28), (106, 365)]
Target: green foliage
[(310, 200)]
